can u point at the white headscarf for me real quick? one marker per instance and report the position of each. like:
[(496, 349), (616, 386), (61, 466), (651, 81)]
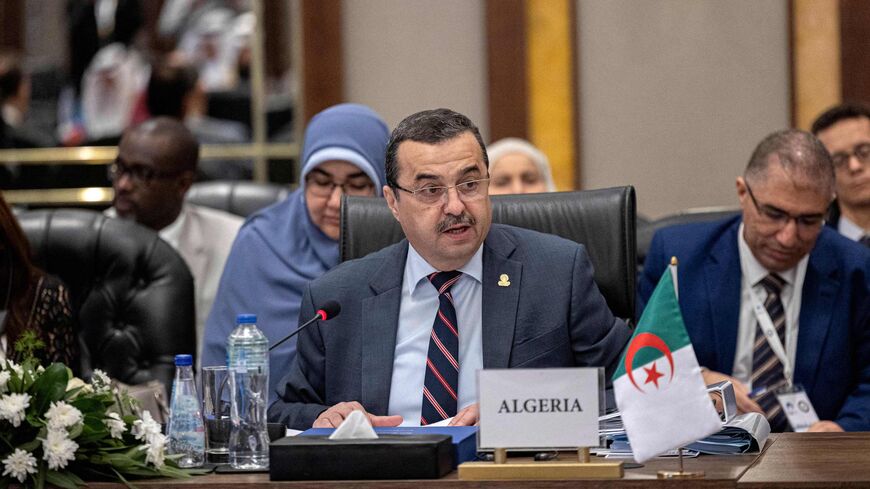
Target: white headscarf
[(507, 146)]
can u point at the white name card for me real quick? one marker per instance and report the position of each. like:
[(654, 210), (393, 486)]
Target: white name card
[(538, 408)]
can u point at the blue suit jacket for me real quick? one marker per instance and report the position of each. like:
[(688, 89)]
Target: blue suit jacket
[(833, 349), (551, 315)]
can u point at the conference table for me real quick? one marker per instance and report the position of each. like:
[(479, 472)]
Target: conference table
[(788, 460)]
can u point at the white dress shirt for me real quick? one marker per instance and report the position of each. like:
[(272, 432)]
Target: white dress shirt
[(416, 317), (752, 274)]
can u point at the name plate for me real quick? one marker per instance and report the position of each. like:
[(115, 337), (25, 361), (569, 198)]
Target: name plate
[(538, 408)]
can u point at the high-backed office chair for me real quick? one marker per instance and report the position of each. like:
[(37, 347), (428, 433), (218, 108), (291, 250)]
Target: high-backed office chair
[(646, 231), (133, 292), (238, 197), (602, 220)]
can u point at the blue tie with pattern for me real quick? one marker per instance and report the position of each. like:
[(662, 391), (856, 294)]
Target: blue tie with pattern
[(766, 367), (442, 361)]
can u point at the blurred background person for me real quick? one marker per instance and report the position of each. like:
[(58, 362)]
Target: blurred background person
[(174, 90), (32, 301), (517, 167), (282, 248), (155, 167), (15, 106), (845, 132)]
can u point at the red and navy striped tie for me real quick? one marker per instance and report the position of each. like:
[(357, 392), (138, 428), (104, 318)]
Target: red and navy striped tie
[(442, 362)]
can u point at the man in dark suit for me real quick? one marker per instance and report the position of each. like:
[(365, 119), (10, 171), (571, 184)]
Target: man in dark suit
[(813, 282), (845, 132), (419, 318)]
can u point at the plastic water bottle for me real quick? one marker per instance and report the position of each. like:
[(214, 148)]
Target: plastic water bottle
[(186, 432), (248, 365)]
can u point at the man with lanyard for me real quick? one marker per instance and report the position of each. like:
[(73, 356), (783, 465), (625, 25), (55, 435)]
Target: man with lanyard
[(773, 300)]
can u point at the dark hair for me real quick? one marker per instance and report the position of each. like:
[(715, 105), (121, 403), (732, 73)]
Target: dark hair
[(798, 152), (167, 88), (838, 113), (25, 275), (429, 127), (182, 146), (11, 75)]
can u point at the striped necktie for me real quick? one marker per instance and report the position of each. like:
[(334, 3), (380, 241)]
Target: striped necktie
[(442, 362), (766, 367)]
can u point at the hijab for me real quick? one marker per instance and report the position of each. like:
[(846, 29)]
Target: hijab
[(279, 250), (509, 146)]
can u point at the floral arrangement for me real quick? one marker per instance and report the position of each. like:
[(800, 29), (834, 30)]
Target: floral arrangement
[(57, 429)]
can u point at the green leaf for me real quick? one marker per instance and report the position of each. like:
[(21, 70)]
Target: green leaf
[(60, 479), (50, 386), (75, 431), (30, 446)]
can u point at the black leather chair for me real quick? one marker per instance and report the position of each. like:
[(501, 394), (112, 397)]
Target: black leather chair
[(646, 230), (239, 197), (602, 220), (133, 292)]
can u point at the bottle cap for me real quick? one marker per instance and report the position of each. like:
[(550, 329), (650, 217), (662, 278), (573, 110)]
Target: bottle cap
[(246, 319), (183, 360)]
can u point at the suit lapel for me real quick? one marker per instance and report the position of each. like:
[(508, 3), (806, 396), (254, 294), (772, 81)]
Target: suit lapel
[(722, 276), (499, 301), (817, 308), (380, 318)]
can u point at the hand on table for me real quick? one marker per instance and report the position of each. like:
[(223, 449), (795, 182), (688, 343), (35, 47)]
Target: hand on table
[(741, 393), (467, 416), (333, 416), (824, 426)]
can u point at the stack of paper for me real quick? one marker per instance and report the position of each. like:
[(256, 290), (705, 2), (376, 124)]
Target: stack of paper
[(744, 434)]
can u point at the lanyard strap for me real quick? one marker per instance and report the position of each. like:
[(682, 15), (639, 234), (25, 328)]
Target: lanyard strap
[(770, 333)]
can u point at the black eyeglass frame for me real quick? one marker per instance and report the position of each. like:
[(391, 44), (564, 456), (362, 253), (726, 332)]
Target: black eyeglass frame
[(140, 174), (781, 217)]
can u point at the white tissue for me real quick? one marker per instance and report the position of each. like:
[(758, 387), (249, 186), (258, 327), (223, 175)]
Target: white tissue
[(355, 427)]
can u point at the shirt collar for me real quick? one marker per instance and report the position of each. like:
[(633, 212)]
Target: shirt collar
[(754, 270), (418, 269), (172, 233), (849, 229)]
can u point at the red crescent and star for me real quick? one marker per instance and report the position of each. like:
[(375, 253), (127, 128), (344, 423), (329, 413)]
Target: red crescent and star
[(652, 374)]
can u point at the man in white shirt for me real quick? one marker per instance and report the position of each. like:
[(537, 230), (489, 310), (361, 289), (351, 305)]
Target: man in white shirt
[(774, 298), (845, 132), (155, 167)]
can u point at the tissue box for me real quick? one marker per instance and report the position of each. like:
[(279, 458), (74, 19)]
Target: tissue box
[(315, 457), (464, 437)]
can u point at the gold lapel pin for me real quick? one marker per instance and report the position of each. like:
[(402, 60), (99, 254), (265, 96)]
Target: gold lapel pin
[(504, 280)]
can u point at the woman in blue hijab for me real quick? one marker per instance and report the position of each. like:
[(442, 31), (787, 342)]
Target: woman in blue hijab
[(280, 249)]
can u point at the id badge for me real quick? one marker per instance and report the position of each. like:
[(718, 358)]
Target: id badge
[(797, 407)]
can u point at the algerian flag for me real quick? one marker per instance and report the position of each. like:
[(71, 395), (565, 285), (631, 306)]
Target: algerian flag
[(658, 385)]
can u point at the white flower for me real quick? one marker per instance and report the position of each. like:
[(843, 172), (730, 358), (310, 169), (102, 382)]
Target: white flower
[(116, 425), (4, 379), (154, 449), (19, 463), (15, 368), (58, 449), (100, 381), (12, 407), (61, 415), (40, 369), (145, 428)]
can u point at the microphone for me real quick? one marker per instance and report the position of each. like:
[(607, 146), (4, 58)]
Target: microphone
[(329, 310)]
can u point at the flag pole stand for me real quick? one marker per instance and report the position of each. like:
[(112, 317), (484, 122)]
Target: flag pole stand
[(681, 474), (579, 468)]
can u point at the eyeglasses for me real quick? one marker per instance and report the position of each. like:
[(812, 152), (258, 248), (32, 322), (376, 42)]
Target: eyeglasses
[(433, 194), (775, 216), (861, 151), (138, 173), (322, 186)]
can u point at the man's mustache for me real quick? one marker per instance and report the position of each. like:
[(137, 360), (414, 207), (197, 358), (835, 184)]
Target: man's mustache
[(450, 221)]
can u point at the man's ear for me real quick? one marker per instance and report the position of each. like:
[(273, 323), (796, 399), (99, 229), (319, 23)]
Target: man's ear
[(392, 199), (185, 180)]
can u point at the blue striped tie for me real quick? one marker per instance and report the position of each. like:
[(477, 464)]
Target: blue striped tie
[(766, 367), (442, 361)]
